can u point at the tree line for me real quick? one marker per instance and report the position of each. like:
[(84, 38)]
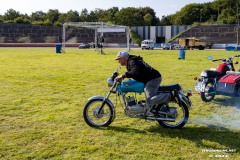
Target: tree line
[(127, 16), (217, 12)]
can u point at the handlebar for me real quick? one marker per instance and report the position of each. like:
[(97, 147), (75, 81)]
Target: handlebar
[(224, 60)]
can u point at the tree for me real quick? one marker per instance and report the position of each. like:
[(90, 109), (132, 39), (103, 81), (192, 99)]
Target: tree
[(149, 11), (1, 18), (84, 15), (72, 16), (38, 16), (165, 20), (130, 17), (22, 19), (52, 16), (148, 19), (219, 11), (206, 12), (187, 15), (93, 17), (11, 14), (227, 16), (101, 15), (111, 14), (62, 18)]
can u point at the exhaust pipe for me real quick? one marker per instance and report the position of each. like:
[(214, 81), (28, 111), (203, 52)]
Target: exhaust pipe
[(161, 119)]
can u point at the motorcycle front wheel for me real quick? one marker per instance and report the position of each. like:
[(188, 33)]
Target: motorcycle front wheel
[(181, 116), (94, 118), (205, 96)]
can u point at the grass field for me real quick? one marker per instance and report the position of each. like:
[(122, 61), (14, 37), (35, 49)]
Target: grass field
[(42, 95)]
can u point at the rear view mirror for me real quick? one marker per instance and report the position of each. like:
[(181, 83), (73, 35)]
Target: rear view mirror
[(210, 57)]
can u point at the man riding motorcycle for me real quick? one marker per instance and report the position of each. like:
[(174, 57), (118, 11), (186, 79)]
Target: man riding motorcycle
[(161, 105), (142, 72)]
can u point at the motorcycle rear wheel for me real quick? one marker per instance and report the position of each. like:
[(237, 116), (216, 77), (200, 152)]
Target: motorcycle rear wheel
[(181, 119), (204, 95), (91, 116)]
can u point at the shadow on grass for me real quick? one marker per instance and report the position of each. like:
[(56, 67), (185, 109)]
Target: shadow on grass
[(201, 136), (228, 101)]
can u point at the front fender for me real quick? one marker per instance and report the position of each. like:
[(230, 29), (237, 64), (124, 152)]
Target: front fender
[(107, 101)]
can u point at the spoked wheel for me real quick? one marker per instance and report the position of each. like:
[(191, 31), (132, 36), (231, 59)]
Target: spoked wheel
[(94, 118), (206, 96), (180, 113)]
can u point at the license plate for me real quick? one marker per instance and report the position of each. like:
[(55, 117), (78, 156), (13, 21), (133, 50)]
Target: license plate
[(199, 87)]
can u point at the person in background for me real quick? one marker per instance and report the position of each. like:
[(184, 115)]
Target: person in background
[(60, 39)]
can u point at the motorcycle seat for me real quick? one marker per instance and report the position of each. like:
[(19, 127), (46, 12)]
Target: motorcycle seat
[(169, 88), (212, 73)]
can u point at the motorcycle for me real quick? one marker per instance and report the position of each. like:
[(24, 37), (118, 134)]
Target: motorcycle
[(99, 111), (223, 80)]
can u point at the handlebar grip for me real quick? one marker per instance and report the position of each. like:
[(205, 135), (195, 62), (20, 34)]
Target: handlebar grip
[(221, 59)]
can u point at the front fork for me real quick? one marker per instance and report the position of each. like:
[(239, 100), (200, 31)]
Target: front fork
[(103, 103), (105, 99)]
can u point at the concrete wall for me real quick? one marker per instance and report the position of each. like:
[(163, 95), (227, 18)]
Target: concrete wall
[(219, 34), (27, 33), (12, 32)]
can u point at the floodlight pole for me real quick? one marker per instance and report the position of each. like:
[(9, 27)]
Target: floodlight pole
[(101, 38), (96, 42), (237, 27), (128, 38), (237, 30), (63, 38)]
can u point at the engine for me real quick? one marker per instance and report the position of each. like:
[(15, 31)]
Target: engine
[(133, 108)]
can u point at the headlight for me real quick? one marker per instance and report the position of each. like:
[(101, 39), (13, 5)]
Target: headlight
[(204, 74), (110, 82)]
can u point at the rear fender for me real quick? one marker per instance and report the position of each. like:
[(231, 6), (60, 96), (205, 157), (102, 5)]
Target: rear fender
[(185, 100)]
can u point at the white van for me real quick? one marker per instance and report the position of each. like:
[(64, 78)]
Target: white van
[(147, 44)]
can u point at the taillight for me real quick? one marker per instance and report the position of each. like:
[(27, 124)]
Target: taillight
[(199, 79), (189, 94)]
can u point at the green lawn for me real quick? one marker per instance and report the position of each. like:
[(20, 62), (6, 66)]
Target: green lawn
[(42, 95)]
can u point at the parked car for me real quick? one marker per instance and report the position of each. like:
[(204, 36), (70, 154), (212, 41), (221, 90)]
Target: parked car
[(84, 45), (176, 46), (167, 46)]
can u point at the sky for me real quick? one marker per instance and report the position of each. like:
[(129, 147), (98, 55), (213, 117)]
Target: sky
[(161, 7)]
